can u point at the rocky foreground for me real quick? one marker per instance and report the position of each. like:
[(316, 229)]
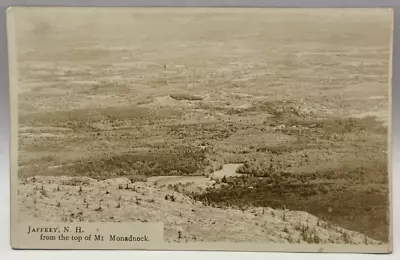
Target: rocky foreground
[(72, 199)]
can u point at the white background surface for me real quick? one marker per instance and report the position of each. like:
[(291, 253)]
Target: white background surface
[(5, 249)]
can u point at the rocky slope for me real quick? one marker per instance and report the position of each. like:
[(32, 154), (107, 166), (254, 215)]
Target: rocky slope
[(73, 199)]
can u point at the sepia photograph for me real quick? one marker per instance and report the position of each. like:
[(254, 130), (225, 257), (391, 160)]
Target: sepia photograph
[(229, 126)]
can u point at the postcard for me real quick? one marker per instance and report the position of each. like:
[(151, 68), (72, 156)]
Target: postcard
[(233, 129)]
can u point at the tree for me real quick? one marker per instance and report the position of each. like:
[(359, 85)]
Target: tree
[(224, 180)]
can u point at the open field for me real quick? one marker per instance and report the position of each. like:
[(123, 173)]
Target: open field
[(298, 98)]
